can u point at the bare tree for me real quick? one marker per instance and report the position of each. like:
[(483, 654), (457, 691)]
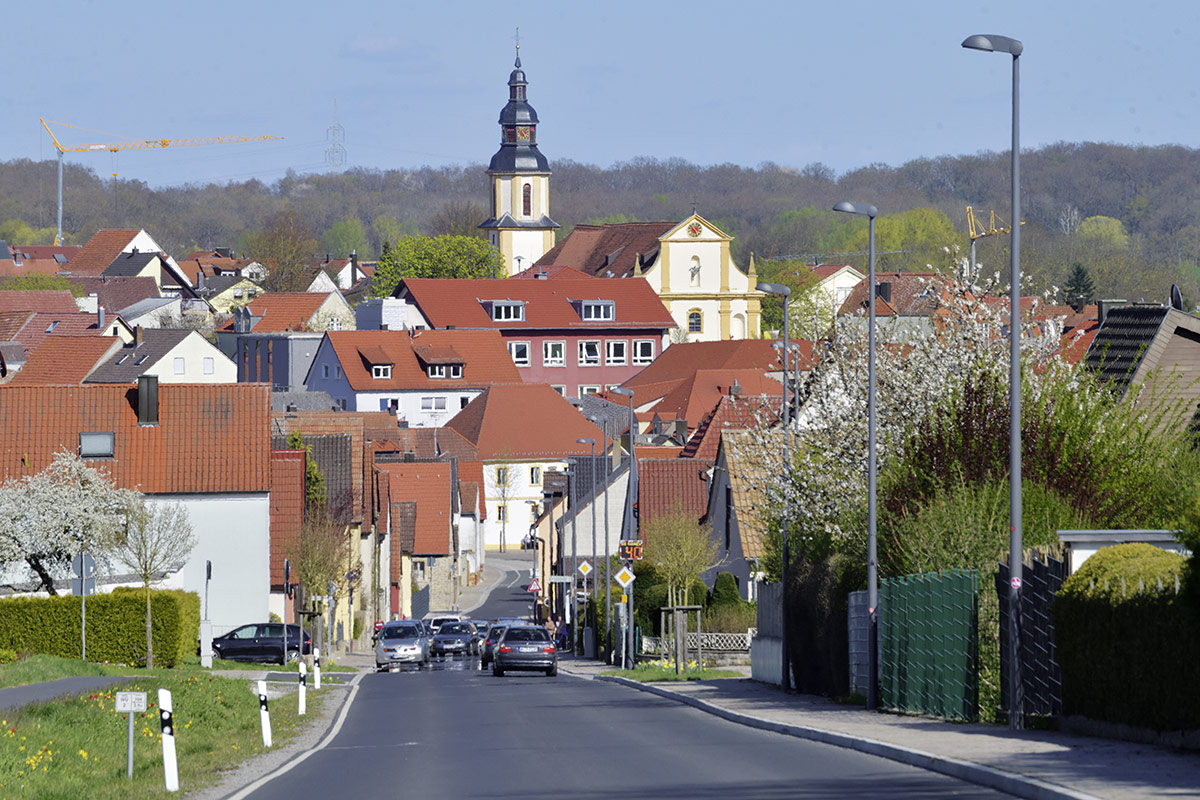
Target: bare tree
[(157, 538), (682, 549), (505, 486)]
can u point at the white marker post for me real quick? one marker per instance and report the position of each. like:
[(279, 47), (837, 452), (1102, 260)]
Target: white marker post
[(166, 719), (317, 668), (303, 689), (264, 714)]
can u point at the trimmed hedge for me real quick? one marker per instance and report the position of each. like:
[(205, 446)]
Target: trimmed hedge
[(189, 623), (1129, 650), (116, 627)]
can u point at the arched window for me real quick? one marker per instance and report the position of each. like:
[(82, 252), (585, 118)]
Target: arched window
[(695, 321), (527, 200)]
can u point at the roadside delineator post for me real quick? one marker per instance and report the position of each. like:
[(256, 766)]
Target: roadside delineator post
[(166, 719), (303, 689), (317, 668), (264, 714)]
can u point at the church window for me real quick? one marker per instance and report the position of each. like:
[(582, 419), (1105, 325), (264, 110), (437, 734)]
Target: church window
[(527, 200), (694, 271), (695, 321)]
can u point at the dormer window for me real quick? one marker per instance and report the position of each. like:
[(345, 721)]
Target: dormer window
[(381, 371), (443, 371), (508, 311), (599, 310)]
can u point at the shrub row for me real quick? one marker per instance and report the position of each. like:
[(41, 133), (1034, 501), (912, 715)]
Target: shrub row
[(1129, 650), (189, 617), (116, 626)]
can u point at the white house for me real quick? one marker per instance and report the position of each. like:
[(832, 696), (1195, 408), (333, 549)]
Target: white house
[(170, 354)]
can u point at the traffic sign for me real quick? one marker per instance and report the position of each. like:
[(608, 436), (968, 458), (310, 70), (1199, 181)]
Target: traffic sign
[(534, 586), (630, 550), (128, 702), (83, 587), (1016, 583), (625, 577), (585, 568), (84, 565)]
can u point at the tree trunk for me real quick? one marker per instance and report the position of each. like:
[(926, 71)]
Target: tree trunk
[(47, 581), (149, 632)]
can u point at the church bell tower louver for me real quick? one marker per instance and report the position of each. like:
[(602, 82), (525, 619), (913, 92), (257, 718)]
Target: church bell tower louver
[(520, 225)]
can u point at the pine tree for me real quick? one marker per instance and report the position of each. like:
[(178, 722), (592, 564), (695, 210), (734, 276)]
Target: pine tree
[(1079, 290)]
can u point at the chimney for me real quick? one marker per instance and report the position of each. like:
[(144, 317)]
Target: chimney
[(353, 267), (402, 424), (883, 290), (199, 279), (410, 457), (1105, 306), (138, 336), (147, 400), (100, 318), (736, 389), (291, 408)]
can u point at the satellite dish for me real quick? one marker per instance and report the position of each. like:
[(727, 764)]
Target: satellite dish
[(1176, 297)]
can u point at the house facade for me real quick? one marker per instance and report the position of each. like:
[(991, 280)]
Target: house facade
[(170, 354)]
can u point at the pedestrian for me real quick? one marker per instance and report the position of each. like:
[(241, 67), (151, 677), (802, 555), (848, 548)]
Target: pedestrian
[(562, 633), (551, 628)]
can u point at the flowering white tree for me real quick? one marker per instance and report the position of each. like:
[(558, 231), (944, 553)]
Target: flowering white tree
[(48, 518)]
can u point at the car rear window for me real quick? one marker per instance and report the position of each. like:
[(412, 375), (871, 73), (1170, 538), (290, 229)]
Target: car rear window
[(496, 631), (526, 635), (407, 632), (455, 627)]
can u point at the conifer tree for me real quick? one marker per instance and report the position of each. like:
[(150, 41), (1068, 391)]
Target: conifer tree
[(1080, 290)]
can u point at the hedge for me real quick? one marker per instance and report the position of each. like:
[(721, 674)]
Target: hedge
[(189, 630), (116, 627), (1128, 644)]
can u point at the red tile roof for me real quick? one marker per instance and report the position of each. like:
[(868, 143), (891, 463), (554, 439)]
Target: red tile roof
[(427, 483), (669, 485), (548, 304), (523, 421), (913, 294), (599, 249), (45, 251), (117, 292), (680, 361), (65, 360), (30, 266), (211, 438), (11, 323), (45, 324), (551, 272), (731, 413), (287, 509), (483, 354), (53, 300), (692, 399), (471, 472), (283, 311), (101, 250)]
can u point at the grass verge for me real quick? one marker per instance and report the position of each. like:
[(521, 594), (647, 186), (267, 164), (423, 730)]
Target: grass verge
[(75, 746), (38, 668), (651, 674)]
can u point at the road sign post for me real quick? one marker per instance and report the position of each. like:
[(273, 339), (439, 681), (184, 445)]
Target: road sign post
[(85, 567), (130, 703)]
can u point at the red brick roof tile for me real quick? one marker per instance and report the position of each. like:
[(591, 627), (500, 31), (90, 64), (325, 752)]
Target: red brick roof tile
[(54, 300), (523, 421), (667, 485), (692, 399), (599, 249), (471, 472), (287, 509), (283, 311), (315, 423), (427, 483), (78, 323), (731, 413), (483, 354), (211, 438), (99, 251), (65, 360)]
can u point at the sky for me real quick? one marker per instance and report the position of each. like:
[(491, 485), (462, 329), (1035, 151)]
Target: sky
[(422, 84)]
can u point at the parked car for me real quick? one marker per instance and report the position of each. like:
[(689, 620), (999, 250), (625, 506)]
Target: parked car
[(489, 643), (525, 647), (262, 642), (455, 638), (401, 643)]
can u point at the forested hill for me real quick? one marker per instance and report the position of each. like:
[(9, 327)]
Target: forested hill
[(1131, 215)]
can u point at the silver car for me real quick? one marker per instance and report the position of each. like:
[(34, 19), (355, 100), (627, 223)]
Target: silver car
[(401, 643), (455, 638)]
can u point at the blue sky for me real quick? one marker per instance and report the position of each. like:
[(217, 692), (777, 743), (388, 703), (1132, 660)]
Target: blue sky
[(845, 84)]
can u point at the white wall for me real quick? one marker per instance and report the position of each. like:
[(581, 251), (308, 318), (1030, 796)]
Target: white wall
[(583, 534), (408, 405), (374, 313), (520, 492), (194, 349)]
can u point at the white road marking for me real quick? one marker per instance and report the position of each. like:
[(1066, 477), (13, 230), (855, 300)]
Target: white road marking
[(514, 580)]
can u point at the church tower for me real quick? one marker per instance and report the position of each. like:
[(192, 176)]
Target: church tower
[(520, 225)]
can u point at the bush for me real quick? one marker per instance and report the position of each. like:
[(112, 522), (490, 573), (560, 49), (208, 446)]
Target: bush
[(731, 619), (7, 656), (725, 591), (818, 600), (1129, 650), (189, 618), (116, 626)]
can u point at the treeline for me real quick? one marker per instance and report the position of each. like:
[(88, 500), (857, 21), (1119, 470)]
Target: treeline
[(1130, 215)]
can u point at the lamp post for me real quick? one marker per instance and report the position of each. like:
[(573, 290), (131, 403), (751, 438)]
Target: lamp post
[(607, 545), (572, 474), (869, 211), (993, 43), (630, 529), (592, 503), (784, 292)]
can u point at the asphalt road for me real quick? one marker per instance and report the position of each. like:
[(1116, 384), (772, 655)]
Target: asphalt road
[(510, 597)]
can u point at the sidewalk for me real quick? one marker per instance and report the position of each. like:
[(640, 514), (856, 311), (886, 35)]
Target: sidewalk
[(1032, 764)]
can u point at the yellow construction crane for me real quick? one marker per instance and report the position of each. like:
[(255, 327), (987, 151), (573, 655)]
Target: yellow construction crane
[(130, 144), (976, 229)]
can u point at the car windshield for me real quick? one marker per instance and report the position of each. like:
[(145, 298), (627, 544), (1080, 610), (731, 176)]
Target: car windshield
[(527, 635), (407, 632), (495, 632), (454, 627)]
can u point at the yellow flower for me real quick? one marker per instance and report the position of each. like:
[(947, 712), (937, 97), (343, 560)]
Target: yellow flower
[(83, 753)]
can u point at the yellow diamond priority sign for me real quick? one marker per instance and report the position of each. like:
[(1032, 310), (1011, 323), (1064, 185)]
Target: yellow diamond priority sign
[(585, 568), (625, 577)]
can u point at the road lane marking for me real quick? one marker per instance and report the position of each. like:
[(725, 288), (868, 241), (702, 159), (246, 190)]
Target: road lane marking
[(514, 580), (295, 762)]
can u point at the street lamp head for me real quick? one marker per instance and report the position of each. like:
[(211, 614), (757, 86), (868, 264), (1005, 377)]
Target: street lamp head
[(994, 43), (861, 209), (774, 288), (621, 391), (585, 441)]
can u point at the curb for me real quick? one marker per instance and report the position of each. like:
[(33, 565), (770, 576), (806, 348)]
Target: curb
[(1012, 783)]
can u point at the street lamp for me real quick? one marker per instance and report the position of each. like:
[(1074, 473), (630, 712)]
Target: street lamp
[(784, 292), (993, 43), (592, 503), (870, 212), (630, 530)]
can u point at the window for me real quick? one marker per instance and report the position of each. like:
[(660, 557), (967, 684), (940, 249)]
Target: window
[(599, 310), (527, 200), (843, 293), (324, 370), (337, 370), (180, 366), (502, 513), (433, 404), (210, 366), (554, 354), (342, 403), (122, 359), (237, 292), (504, 310), (643, 351), (589, 354), (618, 353), (381, 371), (95, 445), (535, 476), (560, 389), (519, 352), (334, 324), (695, 321), (586, 390), (142, 360), (463, 402), (418, 570)]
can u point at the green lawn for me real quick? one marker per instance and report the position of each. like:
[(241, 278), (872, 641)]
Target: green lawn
[(653, 672), (49, 668), (75, 746)]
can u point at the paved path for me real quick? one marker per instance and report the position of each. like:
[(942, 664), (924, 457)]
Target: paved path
[(19, 696), (1038, 764)]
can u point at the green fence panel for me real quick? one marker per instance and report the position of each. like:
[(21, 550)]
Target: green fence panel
[(928, 643)]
